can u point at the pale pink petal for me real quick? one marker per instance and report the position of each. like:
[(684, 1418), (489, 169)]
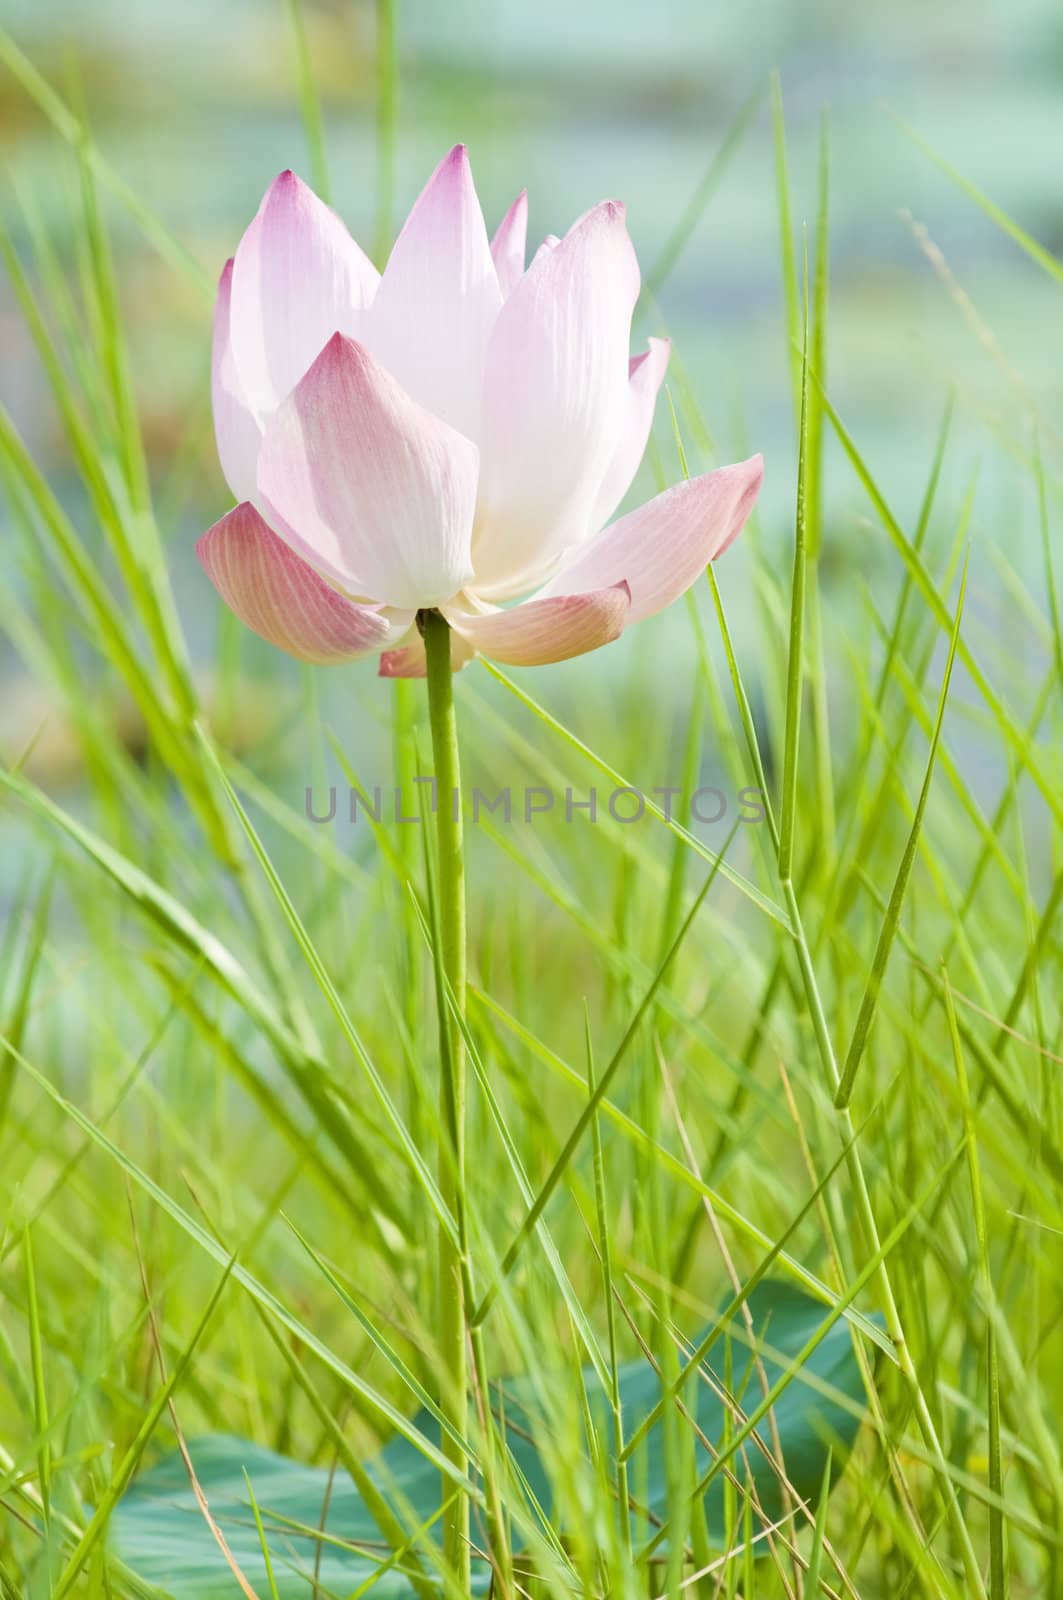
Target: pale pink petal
[(367, 485), (409, 661), (298, 278), (549, 244), (282, 598), (236, 428), (542, 630), (660, 549), (509, 244), (406, 662), (438, 298), (645, 376), (554, 393)]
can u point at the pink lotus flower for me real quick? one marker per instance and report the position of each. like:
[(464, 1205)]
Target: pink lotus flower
[(451, 434)]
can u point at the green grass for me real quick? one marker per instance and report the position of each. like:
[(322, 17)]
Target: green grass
[(823, 1048)]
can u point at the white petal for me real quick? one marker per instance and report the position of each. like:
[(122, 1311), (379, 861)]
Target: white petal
[(549, 244), (236, 428), (554, 392), (298, 278), (645, 377), (438, 299), (509, 244), (367, 485)]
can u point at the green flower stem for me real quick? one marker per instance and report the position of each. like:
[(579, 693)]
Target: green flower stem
[(451, 879)]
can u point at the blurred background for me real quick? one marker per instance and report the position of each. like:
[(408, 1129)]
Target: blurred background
[(193, 108), (196, 107)]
